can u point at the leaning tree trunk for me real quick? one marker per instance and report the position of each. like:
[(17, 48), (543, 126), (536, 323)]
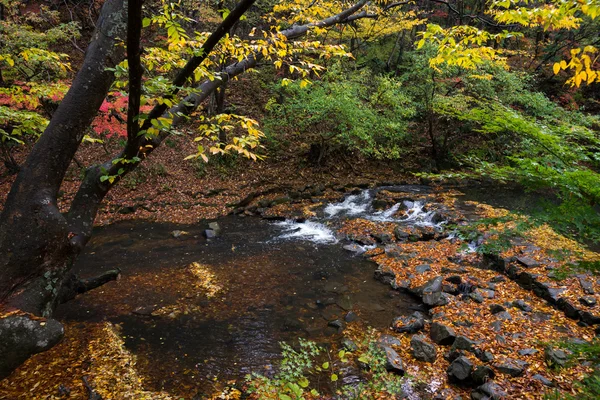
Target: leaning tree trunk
[(38, 244), (36, 252)]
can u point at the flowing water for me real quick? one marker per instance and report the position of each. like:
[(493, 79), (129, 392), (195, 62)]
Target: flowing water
[(276, 281)]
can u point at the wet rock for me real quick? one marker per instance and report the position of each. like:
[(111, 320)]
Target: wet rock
[(379, 204), (482, 374), (432, 291), (383, 238), (442, 334), (389, 340), (421, 269), (292, 324), (528, 262), (176, 233), (520, 304), (210, 234), (386, 275), (588, 301), (545, 381), (555, 357), (586, 285), (325, 302), (496, 308), (527, 352), (463, 343), (412, 324), (488, 391), (345, 302), (421, 349), (401, 233), (329, 314), (337, 324), (460, 369), (348, 344), (511, 367), (393, 361), (215, 227), (350, 317), (498, 279)]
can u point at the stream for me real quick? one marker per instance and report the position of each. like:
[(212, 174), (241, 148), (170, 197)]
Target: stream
[(274, 281)]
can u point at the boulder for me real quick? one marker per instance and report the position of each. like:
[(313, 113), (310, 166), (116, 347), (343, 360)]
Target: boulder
[(421, 269), (476, 297), (393, 362), (383, 238), (389, 340), (210, 234), (23, 336), (488, 391), (386, 275), (589, 318), (588, 301), (350, 317), (545, 381), (484, 356), (504, 315), (528, 262), (432, 291), (527, 352), (460, 369), (348, 344), (442, 334), (568, 308), (422, 350), (411, 324), (463, 343), (586, 285), (482, 374), (511, 367), (555, 357), (521, 305)]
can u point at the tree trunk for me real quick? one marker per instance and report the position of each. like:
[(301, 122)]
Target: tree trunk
[(36, 252)]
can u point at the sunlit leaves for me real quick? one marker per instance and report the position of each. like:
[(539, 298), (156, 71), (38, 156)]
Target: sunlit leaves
[(550, 15), (245, 141), (581, 65), (463, 46)]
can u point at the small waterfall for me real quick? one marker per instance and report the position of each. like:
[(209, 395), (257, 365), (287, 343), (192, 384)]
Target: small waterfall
[(353, 205), (358, 206), (417, 215), (308, 230)]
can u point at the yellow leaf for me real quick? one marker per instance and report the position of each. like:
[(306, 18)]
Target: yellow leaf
[(556, 68)]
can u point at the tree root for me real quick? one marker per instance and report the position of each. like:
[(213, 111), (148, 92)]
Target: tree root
[(75, 286)]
